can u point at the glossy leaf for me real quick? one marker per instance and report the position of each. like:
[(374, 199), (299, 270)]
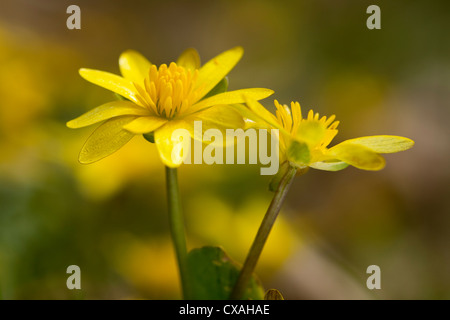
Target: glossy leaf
[(213, 273)]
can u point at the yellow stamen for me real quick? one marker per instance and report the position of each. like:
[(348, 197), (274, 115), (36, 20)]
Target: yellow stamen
[(291, 119), (330, 120), (168, 91)]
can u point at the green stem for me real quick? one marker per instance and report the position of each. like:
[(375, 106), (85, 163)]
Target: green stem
[(262, 235), (177, 227)]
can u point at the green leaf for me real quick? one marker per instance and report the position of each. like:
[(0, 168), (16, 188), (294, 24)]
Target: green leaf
[(212, 275), (221, 87), (273, 294)]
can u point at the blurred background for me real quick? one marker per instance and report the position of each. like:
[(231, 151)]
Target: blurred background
[(110, 217)]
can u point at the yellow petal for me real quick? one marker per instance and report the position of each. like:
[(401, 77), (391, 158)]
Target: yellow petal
[(262, 113), (221, 87), (258, 117), (168, 147), (134, 66), (189, 59), (329, 165), (251, 120), (383, 144), (145, 124), (231, 97), (107, 111), (112, 82), (357, 156), (216, 69), (106, 139), (311, 132), (221, 117)]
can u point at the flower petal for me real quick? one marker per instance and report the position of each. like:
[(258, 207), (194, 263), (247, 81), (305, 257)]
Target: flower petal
[(221, 117), (106, 139), (358, 156), (145, 124), (383, 144), (221, 87), (262, 114), (329, 165), (134, 66), (107, 111), (312, 132), (112, 82), (216, 69), (251, 120), (189, 59), (231, 97), (170, 149)]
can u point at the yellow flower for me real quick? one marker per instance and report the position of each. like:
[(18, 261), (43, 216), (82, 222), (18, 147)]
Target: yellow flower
[(304, 141), (160, 100)]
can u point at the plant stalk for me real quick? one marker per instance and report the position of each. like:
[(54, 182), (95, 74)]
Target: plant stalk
[(177, 228), (262, 235)]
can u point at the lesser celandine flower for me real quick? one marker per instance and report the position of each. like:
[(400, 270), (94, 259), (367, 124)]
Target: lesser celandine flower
[(157, 101), (160, 100), (304, 141), (303, 144)]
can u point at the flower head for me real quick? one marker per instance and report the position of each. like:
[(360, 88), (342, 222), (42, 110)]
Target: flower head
[(304, 141), (160, 100)]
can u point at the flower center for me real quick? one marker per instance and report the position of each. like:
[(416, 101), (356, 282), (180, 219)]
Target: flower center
[(317, 132), (168, 91)]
